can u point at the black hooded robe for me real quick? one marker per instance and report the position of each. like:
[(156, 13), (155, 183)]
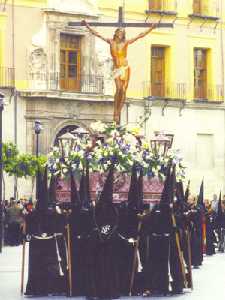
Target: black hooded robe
[(104, 251), (210, 235), (128, 225), (103, 259), (175, 261), (156, 269), (128, 232), (81, 224), (195, 215), (47, 272)]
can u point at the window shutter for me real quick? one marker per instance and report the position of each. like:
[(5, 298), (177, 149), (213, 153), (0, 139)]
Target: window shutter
[(197, 6), (70, 62), (158, 72), (155, 4), (200, 73)]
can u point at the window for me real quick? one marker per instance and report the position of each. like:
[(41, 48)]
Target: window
[(200, 73), (155, 5), (69, 62), (197, 7), (165, 6), (206, 9), (158, 72)]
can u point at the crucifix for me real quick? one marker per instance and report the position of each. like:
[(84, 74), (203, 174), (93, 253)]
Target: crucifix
[(118, 49)]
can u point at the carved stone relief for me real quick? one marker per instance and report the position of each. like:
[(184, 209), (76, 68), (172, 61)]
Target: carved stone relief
[(105, 65), (37, 67)]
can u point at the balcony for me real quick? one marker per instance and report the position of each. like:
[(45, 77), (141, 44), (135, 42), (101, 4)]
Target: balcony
[(7, 77), (209, 93), (88, 84), (161, 91), (162, 7), (205, 9), (183, 91)]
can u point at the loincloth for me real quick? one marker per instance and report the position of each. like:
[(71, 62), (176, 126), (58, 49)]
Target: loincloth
[(120, 72)]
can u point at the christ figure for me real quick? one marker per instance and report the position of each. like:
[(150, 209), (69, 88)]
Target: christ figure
[(121, 70)]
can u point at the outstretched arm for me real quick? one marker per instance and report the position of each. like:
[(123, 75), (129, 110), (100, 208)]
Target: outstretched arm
[(141, 35), (94, 32)]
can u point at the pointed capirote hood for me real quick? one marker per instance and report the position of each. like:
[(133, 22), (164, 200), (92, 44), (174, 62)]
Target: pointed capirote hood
[(52, 190), (107, 192), (133, 194), (165, 197), (180, 193), (201, 194), (75, 196), (42, 192), (187, 191), (84, 191), (141, 190), (172, 186), (168, 193), (105, 213)]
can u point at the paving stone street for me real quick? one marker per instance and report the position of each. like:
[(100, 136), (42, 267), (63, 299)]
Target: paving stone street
[(209, 280)]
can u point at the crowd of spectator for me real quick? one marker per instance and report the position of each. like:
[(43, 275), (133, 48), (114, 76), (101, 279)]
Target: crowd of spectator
[(13, 218)]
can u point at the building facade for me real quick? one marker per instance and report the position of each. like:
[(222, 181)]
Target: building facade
[(61, 75)]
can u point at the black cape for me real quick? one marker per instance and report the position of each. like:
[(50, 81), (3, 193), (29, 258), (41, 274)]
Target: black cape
[(104, 251), (156, 268), (47, 273)]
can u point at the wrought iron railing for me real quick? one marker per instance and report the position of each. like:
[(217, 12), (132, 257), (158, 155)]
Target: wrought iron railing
[(205, 8), (92, 84), (209, 93), (54, 81), (183, 91), (7, 77), (161, 90), (162, 5)]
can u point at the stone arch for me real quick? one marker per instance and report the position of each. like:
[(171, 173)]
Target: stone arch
[(66, 124)]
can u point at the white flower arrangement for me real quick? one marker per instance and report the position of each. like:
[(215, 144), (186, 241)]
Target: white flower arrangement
[(120, 146), (98, 127)]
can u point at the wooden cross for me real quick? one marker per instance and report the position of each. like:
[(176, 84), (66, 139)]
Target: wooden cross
[(121, 23), (121, 70)]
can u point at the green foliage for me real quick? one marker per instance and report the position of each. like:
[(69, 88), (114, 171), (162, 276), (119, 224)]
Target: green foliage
[(20, 165)]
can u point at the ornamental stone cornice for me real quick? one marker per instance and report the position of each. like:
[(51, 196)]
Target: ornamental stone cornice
[(66, 96), (179, 103), (207, 105)]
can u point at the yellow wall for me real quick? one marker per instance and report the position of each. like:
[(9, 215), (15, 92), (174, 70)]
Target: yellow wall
[(31, 3), (131, 5), (2, 37), (28, 21)]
